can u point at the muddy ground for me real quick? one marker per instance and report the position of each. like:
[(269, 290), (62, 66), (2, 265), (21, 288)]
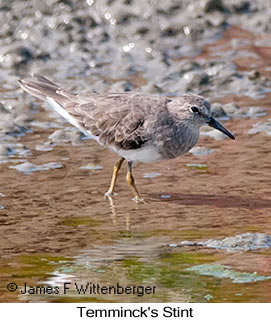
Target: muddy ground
[(56, 226)]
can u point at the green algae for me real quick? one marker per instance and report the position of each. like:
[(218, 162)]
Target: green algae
[(82, 220), (185, 259), (170, 271), (139, 271), (38, 265)]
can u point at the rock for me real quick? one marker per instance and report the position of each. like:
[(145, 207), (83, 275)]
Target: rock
[(232, 109), (255, 112), (221, 271), (91, 166), (215, 134), (6, 122), (3, 109), (173, 245), (151, 175), (216, 19), (213, 5), (261, 127), (24, 55), (3, 150), (196, 79), (121, 86), (254, 75), (28, 168), (44, 124), (46, 146), (218, 112), (165, 196), (200, 151), (245, 242), (66, 135)]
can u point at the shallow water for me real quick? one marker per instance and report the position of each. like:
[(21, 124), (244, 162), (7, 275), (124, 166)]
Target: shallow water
[(57, 227)]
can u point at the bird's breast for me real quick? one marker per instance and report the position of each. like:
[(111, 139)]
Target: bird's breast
[(177, 141)]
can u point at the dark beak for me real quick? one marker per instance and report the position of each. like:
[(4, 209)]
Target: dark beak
[(215, 124)]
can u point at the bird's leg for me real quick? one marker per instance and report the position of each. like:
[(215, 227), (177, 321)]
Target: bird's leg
[(131, 182), (116, 169)]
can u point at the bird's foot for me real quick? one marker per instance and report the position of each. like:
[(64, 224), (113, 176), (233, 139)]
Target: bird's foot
[(138, 200), (109, 195)]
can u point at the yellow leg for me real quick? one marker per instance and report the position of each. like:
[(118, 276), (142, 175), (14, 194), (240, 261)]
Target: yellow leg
[(131, 182), (116, 169)]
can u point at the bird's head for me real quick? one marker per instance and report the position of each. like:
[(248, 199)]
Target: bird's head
[(195, 110)]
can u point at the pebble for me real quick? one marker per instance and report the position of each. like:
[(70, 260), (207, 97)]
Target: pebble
[(165, 196), (215, 134), (47, 146), (45, 124), (28, 168), (151, 175), (3, 150), (91, 167), (218, 112), (260, 127), (66, 135), (201, 151)]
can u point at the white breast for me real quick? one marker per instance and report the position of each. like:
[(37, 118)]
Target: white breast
[(147, 154)]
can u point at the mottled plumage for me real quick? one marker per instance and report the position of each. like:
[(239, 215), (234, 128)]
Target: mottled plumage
[(139, 127)]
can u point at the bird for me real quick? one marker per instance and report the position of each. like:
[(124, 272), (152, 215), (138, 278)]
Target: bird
[(139, 127)]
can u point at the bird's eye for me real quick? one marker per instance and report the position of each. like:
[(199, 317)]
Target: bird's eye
[(194, 109)]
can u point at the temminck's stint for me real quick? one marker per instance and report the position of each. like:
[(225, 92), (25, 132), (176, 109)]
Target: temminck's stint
[(139, 127)]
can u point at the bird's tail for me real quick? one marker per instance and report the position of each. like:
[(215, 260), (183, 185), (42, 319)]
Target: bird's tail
[(42, 88)]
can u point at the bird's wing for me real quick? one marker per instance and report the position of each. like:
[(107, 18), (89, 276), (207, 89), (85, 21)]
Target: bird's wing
[(123, 120)]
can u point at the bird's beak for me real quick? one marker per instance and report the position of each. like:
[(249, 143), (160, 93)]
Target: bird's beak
[(215, 124)]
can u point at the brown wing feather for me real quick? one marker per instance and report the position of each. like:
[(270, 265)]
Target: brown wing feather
[(123, 120)]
